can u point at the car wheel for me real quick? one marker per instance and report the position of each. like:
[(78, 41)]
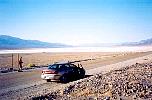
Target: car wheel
[(64, 79), (48, 80), (82, 73)]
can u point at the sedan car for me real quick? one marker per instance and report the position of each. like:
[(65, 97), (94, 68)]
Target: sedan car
[(63, 72)]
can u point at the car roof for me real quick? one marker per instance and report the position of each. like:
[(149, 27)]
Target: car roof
[(65, 62)]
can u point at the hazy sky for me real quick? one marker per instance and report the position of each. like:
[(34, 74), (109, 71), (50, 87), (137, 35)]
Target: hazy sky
[(77, 21)]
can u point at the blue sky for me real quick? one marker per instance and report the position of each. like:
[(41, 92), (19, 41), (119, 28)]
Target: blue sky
[(77, 21)]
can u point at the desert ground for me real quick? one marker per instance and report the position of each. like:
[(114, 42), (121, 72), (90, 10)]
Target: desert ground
[(28, 84), (43, 59)]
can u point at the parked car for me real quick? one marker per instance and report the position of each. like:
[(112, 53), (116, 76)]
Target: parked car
[(63, 71)]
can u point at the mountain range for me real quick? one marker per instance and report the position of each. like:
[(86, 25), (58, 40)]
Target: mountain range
[(140, 43), (9, 42)]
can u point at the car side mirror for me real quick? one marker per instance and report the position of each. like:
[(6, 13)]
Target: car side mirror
[(79, 65)]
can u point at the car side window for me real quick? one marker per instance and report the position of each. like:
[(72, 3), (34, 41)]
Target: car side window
[(67, 67), (60, 66), (72, 65), (63, 67)]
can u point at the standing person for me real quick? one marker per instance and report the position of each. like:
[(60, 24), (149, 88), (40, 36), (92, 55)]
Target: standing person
[(20, 63)]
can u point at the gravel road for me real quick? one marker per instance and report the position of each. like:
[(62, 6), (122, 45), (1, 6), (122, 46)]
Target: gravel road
[(28, 84)]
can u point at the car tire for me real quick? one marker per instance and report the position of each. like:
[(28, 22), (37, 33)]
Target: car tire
[(82, 73), (48, 80), (64, 79)]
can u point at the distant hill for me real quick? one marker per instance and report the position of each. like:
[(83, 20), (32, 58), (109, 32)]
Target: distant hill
[(9, 42), (140, 43)]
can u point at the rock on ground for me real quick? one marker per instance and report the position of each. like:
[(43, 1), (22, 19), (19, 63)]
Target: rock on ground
[(129, 83)]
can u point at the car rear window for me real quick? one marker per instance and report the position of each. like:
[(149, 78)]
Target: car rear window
[(58, 67)]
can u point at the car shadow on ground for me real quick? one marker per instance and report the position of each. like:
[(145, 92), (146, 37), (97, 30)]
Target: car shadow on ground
[(72, 80), (87, 76)]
